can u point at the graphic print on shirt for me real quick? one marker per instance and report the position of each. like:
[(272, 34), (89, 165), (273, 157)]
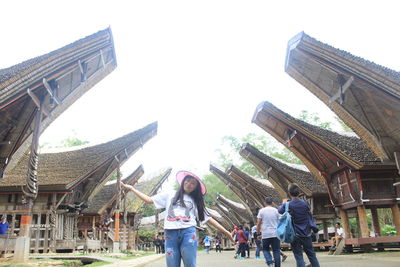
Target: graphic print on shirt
[(178, 213)]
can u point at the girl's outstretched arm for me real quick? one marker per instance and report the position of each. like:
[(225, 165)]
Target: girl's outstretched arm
[(139, 194), (221, 228)]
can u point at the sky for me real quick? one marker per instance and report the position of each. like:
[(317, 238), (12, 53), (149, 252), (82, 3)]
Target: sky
[(199, 68)]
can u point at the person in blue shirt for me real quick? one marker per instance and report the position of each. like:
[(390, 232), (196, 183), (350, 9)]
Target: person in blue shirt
[(300, 212), (4, 225)]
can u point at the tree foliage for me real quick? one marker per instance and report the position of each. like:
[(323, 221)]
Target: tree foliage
[(216, 186)]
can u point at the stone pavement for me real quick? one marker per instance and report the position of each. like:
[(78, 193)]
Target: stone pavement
[(214, 259)]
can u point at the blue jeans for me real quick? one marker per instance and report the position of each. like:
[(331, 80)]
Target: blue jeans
[(304, 243), (276, 250), (258, 250), (181, 244), (207, 249)]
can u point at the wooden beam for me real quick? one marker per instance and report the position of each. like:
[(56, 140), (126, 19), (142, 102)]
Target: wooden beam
[(397, 159), (36, 100), (375, 221), (396, 217), (363, 221), (50, 91), (341, 90)]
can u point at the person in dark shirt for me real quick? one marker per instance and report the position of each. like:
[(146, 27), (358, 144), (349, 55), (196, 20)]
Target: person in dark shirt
[(241, 236), (4, 225), (300, 212)]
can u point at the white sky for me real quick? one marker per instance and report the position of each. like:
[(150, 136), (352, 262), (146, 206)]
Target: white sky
[(199, 68)]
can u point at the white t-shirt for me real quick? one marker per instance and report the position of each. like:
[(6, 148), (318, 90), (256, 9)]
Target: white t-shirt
[(340, 231), (269, 221), (253, 230), (177, 217)]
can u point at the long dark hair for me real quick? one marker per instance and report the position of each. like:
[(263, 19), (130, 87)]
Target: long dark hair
[(196, 195)]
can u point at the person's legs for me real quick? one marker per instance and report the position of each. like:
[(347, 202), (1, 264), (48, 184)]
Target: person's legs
[(172, 248), (258, 252), (309, 250), (276, 248), (207, 249), (265, 248), (188, 246), (248, 250), (298, 252)]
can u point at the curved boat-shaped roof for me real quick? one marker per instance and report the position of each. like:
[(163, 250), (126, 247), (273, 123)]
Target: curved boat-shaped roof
[(236, 207), (319, 149), (365, 95), (107, 195), (280, 173), (259, 187), (91, 166), (57, 80)]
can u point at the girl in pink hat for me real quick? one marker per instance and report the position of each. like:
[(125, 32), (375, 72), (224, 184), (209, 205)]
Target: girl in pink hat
[(184, 207)]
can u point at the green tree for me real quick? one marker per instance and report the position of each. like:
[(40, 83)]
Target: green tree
[(216, 186)]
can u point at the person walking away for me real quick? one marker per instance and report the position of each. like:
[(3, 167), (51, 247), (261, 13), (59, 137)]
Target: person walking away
[(183, 207), (207, 243), (218, 245), (247, 246), (242, 240), (339, 235), (253, 233), (300, 212), (258, 245), (267, 223), (4, 225), (157, 244)]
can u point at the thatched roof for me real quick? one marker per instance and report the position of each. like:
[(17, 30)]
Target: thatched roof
[(318, 148), (67, 73), (237, 208), (65, 170), (250, 201), (370, 105), (258, 187), (281, 174), (107, 195), (219, 218), (148, 187)]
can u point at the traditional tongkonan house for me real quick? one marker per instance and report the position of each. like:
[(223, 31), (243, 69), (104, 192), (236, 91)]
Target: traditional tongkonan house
[(249, 201), (66, 182), (34, 93), (96, 219), (225, 243), (365, 95), (355, 177), (280, 174), (238, 210), (259, 188)]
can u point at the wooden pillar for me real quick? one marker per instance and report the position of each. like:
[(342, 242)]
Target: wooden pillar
[(325, 226), (345, 222), (362, 215), (116, 226), (396, 217), (46, 234), (375, 221), (37, 236)]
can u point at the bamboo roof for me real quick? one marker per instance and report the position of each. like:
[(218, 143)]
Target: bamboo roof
[(250, 202), (281, 174), (57, 79), (365, 95), (242, 213), (318, 148), (65, 170), (107, 195)]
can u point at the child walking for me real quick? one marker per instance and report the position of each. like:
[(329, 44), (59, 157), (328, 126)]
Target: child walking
[(183, 207)]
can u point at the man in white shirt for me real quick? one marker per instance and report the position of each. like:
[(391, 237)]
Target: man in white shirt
[(339, 235), (267, 222)]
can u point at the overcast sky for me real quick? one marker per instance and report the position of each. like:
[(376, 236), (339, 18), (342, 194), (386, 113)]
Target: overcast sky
[(199, 68)]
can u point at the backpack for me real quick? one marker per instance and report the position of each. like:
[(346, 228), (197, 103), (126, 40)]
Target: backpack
[(285, 230)]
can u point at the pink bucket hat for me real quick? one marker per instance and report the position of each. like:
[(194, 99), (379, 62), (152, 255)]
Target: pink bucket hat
[(182, 174)]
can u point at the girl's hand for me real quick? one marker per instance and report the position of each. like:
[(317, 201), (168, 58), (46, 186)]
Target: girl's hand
[(127, 186)]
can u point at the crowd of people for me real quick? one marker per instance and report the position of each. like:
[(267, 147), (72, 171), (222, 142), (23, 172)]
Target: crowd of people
[(185, 208)]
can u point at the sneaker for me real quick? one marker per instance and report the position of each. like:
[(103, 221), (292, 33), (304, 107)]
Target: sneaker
[(309, 265), (284, 257)]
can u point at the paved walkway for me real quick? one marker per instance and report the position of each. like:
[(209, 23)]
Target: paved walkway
[(386, 259)]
